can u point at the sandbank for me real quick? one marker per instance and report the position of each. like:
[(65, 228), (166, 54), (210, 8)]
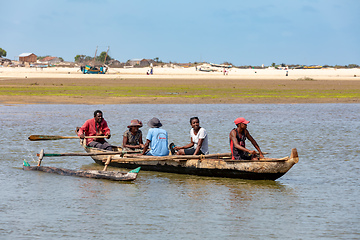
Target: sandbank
[(178, 85)]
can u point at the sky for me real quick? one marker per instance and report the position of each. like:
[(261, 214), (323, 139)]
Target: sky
[(256, 32)]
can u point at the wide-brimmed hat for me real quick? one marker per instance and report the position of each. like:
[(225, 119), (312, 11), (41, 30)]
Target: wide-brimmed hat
[(241, 120), (135, 123), (154, 123)]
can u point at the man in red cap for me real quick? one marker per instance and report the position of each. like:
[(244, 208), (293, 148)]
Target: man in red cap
[(237, 142)]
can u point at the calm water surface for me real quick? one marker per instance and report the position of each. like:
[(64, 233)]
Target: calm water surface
[(317, 199)]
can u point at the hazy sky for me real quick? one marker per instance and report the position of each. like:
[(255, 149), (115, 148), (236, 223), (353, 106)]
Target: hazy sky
[(241, 32)]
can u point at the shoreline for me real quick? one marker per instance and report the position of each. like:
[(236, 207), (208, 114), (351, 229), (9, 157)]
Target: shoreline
[(180, 73), (178, 86)]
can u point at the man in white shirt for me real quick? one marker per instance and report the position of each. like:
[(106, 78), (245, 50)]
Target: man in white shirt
[(199, 141)]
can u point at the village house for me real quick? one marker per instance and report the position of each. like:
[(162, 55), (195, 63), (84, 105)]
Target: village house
[(140, 62), (134, 62), (5, 61), (146, 62), (50, 60), (27, 58)]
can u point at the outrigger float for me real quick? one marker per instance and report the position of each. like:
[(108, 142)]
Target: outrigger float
[(109, 175)]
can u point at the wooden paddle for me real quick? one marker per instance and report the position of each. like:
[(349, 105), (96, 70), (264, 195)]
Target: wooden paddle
[(185, 157), (220, 156), (83, 154), (48, 137)]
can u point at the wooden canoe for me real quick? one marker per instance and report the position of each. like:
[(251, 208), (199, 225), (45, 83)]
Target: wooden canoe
[(110, 175), (213, 165)]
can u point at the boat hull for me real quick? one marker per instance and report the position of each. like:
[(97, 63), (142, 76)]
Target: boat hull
[(209, 172), (271, 169)]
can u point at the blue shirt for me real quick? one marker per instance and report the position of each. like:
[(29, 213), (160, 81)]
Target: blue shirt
[(158, 142)]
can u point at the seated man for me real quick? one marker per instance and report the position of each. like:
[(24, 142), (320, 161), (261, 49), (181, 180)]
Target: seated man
[(157, 139), (96, 126), (198, 141), (237, 142), (132, 138)]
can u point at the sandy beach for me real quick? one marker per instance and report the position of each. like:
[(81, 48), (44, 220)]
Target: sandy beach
[(178, 85)]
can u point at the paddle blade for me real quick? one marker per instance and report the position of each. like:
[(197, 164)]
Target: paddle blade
[(43, 137)]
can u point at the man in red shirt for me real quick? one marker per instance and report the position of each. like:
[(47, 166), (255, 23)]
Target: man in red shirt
[(96, 126)]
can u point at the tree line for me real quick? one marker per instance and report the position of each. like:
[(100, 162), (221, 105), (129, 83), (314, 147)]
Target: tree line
[(86, 59), (101, 59)]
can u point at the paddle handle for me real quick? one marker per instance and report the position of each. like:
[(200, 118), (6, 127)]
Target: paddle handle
[(47, 137), (85, 137)]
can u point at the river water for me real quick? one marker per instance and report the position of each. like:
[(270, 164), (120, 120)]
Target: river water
[(317, 199)]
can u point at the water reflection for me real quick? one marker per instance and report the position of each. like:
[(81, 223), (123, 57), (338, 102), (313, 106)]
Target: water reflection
[(315, 199)]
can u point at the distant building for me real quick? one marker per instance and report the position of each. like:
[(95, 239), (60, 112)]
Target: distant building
[(27, 58), (140, 62), (146, 62), (50, 60), (135, 61), (115, 63), (5, 61)]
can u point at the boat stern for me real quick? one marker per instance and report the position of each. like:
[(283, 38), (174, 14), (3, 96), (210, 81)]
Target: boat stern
[(294, 155)]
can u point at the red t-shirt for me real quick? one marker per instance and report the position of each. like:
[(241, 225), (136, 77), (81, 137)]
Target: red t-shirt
[(91, 129)]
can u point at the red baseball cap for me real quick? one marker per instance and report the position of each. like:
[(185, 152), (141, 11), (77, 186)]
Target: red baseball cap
[(241, 120)]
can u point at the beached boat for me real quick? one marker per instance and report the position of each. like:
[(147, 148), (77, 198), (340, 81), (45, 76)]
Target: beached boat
[(93, 70), (110, 175), (221, 65), (213, 165)]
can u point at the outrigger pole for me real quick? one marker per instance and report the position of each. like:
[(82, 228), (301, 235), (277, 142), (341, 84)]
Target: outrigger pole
[(106, 54), (95, 54)]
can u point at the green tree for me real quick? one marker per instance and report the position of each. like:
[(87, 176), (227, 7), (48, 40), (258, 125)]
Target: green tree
[(2, 53), (80, 58), (352, 66), (273, 64), (41, 57), (101, 57)]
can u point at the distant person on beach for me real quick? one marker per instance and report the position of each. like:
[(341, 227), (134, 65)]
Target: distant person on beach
[(237, 142), (96, 126), (198, 141), (132, 138), (157, 139)]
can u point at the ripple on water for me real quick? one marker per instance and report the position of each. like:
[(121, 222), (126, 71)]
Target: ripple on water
[(317, 198)]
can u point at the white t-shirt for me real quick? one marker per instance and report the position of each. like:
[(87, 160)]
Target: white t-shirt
[(200, 135)]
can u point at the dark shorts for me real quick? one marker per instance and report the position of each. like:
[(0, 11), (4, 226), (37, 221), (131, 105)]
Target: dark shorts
[(244, 155), (190, 151), (105, 145)]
